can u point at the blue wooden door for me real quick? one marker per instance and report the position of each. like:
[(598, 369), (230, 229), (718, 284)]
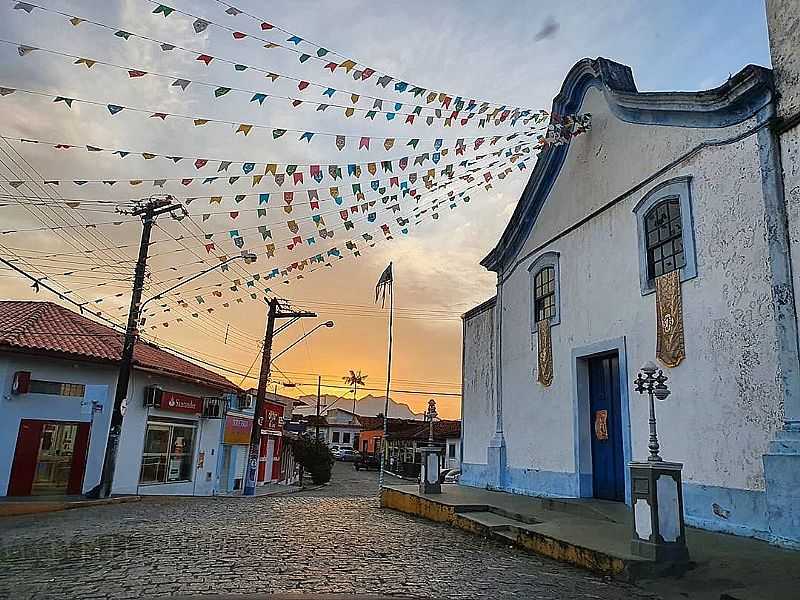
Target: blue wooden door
[(608, 463)]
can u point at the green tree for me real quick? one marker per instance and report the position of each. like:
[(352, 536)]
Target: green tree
[(314, 456)]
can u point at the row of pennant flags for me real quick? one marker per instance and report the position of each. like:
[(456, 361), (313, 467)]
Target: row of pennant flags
[(305, 50), (203, 297), (463, 113), (401, 187), (362, 206), (340, 140), (298, 174), (324, 258)]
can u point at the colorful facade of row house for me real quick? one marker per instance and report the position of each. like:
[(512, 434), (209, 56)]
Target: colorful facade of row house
[(183, 430)]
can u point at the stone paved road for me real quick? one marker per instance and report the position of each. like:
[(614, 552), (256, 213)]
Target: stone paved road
[(335, 539)]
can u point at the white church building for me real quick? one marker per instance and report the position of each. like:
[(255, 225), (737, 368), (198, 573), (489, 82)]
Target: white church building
[(680, 191)]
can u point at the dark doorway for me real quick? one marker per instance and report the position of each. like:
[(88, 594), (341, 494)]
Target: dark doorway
[(605, 422), (49, 459)]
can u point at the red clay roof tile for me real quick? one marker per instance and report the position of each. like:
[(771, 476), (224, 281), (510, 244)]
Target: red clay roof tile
[(50, 328)]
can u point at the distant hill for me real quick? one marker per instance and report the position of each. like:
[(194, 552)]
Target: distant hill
[(368, 406)]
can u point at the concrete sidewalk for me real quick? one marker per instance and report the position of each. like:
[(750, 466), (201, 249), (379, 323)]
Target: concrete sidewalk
[(31, 505), (596, 535)]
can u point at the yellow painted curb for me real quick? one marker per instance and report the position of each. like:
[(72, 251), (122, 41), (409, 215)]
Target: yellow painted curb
[(586, 558)]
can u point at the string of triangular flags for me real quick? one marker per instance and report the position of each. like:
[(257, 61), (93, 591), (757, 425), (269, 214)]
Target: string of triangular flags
[(360, 72), (461, 114), (325, 230), (364, 141), (320, 54), (294, 174), (317, 261), (362, 205), (402, 221)]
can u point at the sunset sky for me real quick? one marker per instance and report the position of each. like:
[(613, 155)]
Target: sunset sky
[(513, 54)]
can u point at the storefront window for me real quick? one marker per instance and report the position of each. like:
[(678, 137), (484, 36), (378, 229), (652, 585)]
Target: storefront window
[(168, 453)]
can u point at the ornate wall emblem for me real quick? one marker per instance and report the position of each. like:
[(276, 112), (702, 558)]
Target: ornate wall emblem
[(670, 343), (545, 376), (601, 425)]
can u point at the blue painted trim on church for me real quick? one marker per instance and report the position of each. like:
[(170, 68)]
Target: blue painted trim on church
[(727, 510)]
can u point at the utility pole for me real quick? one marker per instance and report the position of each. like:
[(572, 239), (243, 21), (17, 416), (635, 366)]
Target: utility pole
[(148, 211), (275, 312), (319, 385)]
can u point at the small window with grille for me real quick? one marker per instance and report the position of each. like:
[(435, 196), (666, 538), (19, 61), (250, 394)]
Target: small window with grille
[(664, 238), (544, 294)]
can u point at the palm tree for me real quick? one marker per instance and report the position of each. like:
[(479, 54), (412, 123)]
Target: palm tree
[(354, 379)]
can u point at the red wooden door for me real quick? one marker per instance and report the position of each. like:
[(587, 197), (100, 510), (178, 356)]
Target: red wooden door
[(276, 460), (25, 457), (78, 467)]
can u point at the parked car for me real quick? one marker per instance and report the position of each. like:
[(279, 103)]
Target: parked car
[(452, 476), (347, 455), (367, 462)]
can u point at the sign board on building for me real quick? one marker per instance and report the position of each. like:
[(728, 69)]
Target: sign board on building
[(237, 430), (273, 415), (175, 402)]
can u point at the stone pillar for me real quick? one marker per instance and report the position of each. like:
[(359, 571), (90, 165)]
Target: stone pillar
[(781, 173), (658, 526), (496, 453)]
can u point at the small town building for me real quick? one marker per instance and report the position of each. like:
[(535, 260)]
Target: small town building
[(406, 436), (58, 372), (276, 462), (371, 435), (338, 427), (663, 233)]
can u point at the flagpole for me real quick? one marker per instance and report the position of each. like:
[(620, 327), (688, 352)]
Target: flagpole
[(388, 383)]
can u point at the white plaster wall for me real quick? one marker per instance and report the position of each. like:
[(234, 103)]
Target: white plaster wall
[(452, 463), (725, 402), (477, 412), (783, 20), (208, 438), (44, 406)]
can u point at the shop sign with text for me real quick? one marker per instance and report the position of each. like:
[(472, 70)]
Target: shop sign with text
[(237, 430), (183, 403)]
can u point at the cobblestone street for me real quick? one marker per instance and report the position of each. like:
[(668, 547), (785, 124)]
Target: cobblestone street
[(335, 539)]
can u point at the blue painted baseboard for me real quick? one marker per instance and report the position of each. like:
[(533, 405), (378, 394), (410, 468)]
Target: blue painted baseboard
[(727, 510)]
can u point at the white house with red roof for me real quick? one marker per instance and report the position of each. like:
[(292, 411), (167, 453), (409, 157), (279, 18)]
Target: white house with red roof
[(58, 373)]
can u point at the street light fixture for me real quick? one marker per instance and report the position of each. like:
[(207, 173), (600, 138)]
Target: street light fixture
[(301, 338)]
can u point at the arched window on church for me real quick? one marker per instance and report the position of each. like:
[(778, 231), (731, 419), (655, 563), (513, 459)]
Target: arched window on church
[(544, 294), (664, 234)]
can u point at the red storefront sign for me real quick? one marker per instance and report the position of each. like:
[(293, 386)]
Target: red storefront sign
[(175, 402), (272, 419), (237, 430)]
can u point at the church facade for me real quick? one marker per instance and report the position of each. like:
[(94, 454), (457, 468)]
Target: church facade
[(661, 235)]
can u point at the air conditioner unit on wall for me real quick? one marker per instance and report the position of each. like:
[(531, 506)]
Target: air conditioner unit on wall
[(152, 396), (246, 401)]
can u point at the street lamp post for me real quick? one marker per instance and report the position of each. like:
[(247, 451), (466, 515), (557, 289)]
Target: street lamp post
[(656, 490), (275, 312)]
